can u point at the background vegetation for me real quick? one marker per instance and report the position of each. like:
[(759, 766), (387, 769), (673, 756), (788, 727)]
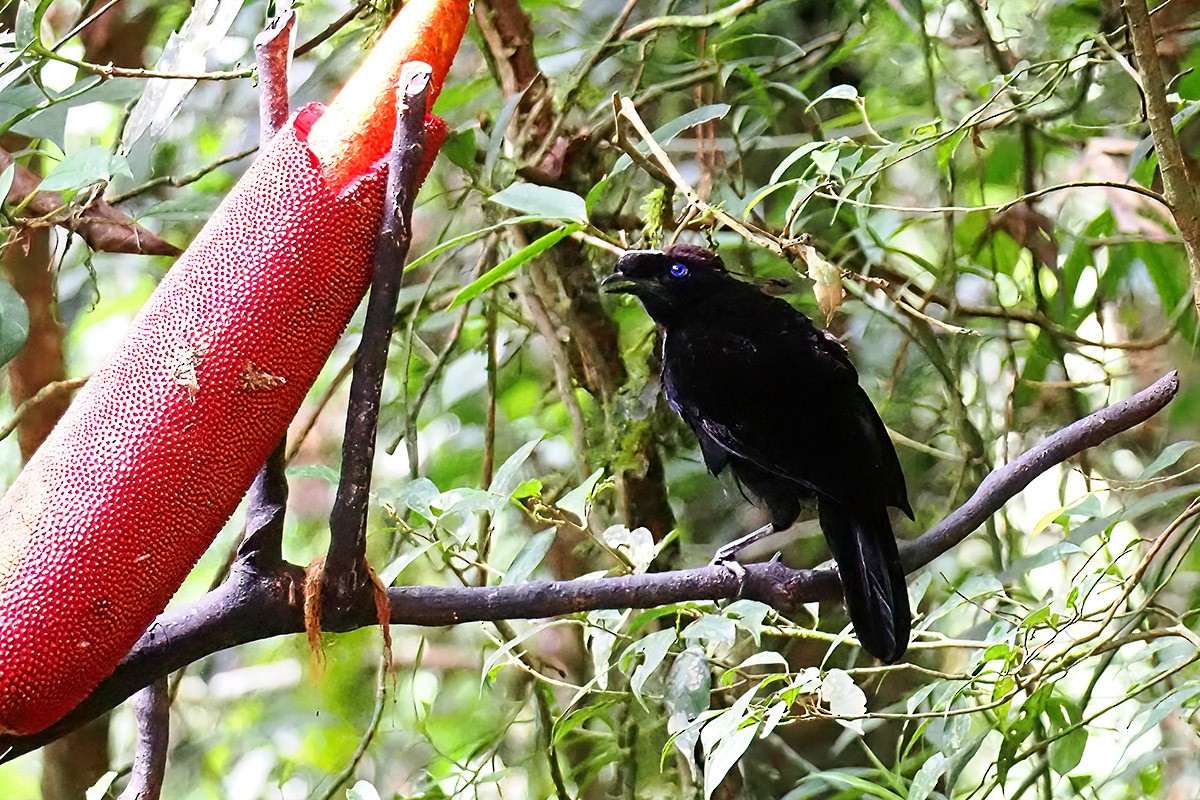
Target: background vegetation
[(981, 185)]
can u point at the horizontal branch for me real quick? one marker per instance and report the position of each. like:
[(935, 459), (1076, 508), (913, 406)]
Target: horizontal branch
[(252, 605)]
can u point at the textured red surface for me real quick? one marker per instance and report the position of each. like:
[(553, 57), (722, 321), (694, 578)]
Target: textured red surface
[(362, 118), (153, 456)]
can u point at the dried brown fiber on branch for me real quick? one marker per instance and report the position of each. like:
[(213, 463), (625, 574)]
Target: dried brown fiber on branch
[(253, 605)]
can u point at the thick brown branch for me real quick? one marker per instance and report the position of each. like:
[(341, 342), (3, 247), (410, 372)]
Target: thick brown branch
[(103, 227), (1180, 194), (252, 605)]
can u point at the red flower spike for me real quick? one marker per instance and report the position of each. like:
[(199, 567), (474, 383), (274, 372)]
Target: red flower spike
[(152, 458)]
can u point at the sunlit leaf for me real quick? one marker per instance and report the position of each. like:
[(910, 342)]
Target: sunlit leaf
[(545, 202), (509, 265)]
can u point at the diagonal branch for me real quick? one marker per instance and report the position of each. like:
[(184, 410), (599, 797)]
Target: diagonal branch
[(103, 227), (1177, 186), (253, 605), (345, 570)]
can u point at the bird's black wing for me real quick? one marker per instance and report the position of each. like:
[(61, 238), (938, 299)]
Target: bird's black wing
[(756, 380)]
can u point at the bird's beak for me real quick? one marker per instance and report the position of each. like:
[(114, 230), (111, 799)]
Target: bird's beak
[(617, 283), (620, 281)]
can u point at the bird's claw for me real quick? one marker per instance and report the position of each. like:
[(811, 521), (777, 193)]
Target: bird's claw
[(731, 564)]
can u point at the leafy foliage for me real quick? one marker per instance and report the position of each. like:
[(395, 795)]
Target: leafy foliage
[(967, 194)]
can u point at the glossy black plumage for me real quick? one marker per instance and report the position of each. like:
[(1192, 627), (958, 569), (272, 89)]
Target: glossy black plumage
[(776, 399)]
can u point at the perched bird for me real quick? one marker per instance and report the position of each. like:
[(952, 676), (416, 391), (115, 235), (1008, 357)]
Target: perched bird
[(776, 399)]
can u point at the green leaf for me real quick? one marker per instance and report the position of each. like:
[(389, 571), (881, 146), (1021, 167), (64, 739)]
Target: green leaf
[(460, 148), (496, 140), (544, 202), (509, 265), (654, 649), (845, 699), (507, 477), (6, 181), (711, 629), (843, 91), (464, 239), (318, 471), (578, 716), (688, 684), (83, 168), (665, 133), (927, 776), (99, 790), (529, 558), (728, 752), (527, 488), (417, 496), (579, 500), (14, 322), (1166, 458), (29, 23), (748, 615)]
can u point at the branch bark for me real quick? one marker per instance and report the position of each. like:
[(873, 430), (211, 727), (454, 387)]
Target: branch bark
[(153, 710), (103, 227), (253, 605), (345, 571), (1177, 187), (267, 498)]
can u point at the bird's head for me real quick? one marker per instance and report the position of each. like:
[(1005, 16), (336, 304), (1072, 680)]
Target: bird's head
[(667, 280)]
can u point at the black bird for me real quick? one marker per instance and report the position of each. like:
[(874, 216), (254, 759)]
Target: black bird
[(776, 399)]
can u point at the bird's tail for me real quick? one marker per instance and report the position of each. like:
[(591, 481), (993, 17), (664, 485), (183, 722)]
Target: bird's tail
[(868, 562)]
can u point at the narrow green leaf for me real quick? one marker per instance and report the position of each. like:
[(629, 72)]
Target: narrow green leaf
[(496, 141), (318, 471), (1167, 458), (509, 265), (464, 239), (527, 560), (508, 476), (665, 133), (6, 181), (654, 649), (727, 753), (843, 91), (579, 500)]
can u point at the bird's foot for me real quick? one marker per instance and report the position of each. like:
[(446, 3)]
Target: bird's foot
[(727, 552), (731, 564)]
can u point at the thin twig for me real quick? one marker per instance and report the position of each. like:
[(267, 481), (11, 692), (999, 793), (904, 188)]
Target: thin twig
[(698, 21), (45, 393), (176, 182)]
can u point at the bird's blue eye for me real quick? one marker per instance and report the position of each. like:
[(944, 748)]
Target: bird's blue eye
[(679, 271)]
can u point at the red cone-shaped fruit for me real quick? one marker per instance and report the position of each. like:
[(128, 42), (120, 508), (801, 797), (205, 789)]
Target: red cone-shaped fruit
[(155, 453)]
